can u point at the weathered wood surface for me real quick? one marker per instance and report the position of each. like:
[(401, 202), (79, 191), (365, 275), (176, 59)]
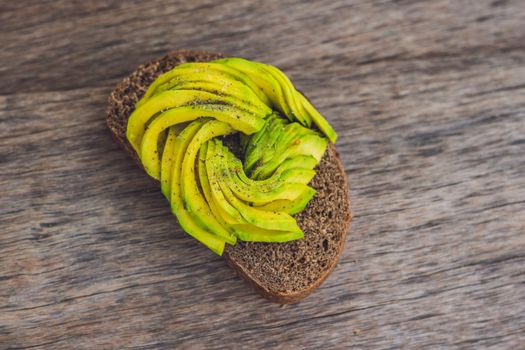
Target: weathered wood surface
[(429, 102)]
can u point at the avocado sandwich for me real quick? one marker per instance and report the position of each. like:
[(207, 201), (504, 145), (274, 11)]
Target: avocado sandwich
[(246, 162)]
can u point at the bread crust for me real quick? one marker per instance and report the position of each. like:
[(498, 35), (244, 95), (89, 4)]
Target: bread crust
[(120, 105)]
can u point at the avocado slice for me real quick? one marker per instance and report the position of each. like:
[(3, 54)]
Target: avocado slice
[(288, 206), (213, 158), (254, 216), (282, 94), (267, 83), (318, 119), (218, 83), (213, 155), (263, 146), (187, 222), (297, 111), (166, 163), (282, 195), (192, 198), (286, 136), (305, 145), (243, 98), (246, 141), (220, 214), (255, 192), (251, 233), (187, 69), (176, 98), (242, 229), (149, 153), (296, 167), (276, 142)]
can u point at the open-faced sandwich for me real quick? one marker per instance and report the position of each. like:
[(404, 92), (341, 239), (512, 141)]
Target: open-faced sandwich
[(246, 162)]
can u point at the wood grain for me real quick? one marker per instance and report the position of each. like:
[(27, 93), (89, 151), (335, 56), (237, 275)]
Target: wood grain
[(428, 98)]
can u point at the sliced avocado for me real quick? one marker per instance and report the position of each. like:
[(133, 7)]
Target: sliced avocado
[(291, 185), (248, 142), (141, 115), (220, 214), (290, 95), (263, 219), (177, 98), (176, 129), (251, 233), (210, 67), (240, 98), (262, 145), (254, 192), (193, 199), (251, 140), (218, 83), (282, 195), (177, 72), (319, 120), (268, 220), (212, 241), (290, 167), (286, 191), (279, 90), (282, 94), (286, 135), (166, 163), (267, 83), (297, 175), (213, 158), (276, 142), (290, 206), (300, 161), (149, 153), (306, 145), (243, 230)]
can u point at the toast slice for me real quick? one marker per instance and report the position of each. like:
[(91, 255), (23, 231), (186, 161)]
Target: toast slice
[(282, 272)]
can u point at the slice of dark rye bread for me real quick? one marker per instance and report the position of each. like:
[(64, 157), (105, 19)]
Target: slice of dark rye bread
[(281, 272)]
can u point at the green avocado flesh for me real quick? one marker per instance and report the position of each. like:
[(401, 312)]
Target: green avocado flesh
[(177, 130)]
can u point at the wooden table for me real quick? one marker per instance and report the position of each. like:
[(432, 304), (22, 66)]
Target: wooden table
[(428, 99)]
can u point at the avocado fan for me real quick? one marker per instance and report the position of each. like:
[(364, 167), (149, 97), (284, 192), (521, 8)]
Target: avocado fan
[(178, 129)]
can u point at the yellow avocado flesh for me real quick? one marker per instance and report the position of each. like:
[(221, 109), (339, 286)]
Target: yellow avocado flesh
[(177, 130), (167, 100), (282, 94), (188, 69), (230, 214), (220, 84), (252, 215), (192, 197), (211, 240), (149, 153), (222, 216), (260, 193), (166, 163)]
